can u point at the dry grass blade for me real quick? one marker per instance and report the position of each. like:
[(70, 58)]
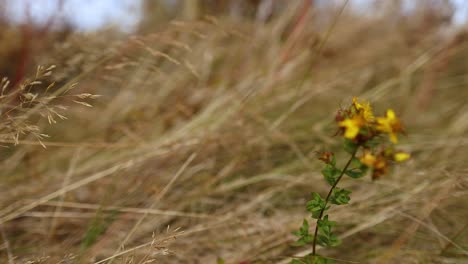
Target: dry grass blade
[(66, 181), (73, 186), (126, 209), (127, 251), (7, 245), (157, 200)]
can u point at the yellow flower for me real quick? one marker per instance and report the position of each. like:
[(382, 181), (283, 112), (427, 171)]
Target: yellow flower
[(364, 109), (378, 164), (390, 124), (401, 156), (352, 126), (368, 159)]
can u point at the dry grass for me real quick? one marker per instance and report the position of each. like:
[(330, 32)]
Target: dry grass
[(202, 145)]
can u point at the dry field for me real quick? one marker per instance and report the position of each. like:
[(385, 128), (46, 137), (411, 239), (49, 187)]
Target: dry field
[(201, 142)]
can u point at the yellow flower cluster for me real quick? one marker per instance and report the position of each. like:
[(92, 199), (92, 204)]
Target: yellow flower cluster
[(380, 162), (360, 120), (359, 124)]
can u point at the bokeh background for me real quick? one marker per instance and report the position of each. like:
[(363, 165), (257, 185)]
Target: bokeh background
[(186, 131), (126, 14)]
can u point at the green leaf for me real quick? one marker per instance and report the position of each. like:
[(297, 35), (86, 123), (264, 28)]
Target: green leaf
[(355, 162), (304, 241), (340, 196), (316, 205), (303, 234), (334, 240), (359, 169), (305, 227), (330, 240), (330, 173), (324, 225), (325, 236), (220, 261), (356, 172), (349, 146)]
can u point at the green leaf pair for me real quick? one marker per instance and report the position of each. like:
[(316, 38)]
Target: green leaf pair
[(340, 196), (325, 236), (331, 173), (303, 234), (316, 205)]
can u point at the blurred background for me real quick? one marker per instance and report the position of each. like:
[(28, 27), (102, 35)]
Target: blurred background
[(26, 22), (126, 15), (185, 131)]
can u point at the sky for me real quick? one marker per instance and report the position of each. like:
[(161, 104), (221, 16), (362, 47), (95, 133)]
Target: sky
[(82, 14), (93, 14), (460, 16)]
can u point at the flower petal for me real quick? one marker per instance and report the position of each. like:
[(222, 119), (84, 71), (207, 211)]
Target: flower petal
[(401, 156)]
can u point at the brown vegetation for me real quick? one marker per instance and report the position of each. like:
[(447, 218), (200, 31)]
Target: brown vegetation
[(202, 144)]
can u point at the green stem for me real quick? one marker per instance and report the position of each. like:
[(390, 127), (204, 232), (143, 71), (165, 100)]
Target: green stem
[(328, 198)]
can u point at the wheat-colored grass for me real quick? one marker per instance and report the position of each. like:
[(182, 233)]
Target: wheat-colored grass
[(254, 102)]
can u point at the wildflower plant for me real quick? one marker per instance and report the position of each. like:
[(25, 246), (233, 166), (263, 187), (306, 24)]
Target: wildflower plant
[(370, 142)]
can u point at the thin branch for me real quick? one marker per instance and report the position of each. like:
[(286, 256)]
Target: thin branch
[(328, 198)]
